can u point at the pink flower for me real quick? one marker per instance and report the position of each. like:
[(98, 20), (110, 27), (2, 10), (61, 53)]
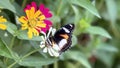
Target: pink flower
[(48, 25), (45, 11), (28, 7)]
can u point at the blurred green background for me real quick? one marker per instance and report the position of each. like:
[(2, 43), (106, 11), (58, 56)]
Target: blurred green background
[(95, 41)]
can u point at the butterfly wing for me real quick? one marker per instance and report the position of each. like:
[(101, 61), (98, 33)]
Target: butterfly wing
[(63, 36)]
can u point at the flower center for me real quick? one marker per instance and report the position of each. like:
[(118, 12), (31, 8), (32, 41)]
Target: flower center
[(32, 23)]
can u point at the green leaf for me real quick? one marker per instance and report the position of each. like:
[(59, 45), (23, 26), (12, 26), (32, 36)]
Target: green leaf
[(4, 50), (11, 28), (18, 8), (55, 18), (107, 47), (36, 61), (6, 37), (36, 45), (2, 65), (5, 4), (38, 67), (99, 31), (6, 40), (105, 57), (76, 55), (105, 52), (74, 40), (23, 48), (83, 24), (23, 35), (87, 5), (63, 6), (70, 65), (77, 14), (112, 10)]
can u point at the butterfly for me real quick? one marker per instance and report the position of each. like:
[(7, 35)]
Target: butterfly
[(56, 42)]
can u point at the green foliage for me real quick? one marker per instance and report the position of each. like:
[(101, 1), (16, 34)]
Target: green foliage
[(87, 5), (4, 51), (11, 28), (98, 31), (4, 5), (77, 56), (23, 35), (37, 61), (95, 40)]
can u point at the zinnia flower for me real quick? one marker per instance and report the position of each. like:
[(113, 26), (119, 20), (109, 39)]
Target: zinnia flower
[(47, 14), (35, 19), (2, 25)]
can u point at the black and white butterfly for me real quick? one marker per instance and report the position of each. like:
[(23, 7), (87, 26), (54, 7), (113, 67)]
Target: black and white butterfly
[(56, 42)]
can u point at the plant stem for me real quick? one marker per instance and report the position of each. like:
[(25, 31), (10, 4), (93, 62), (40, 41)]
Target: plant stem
[(58, 13), (100, 5), (24, 3), (55, 65), (12, 42), (28, 54), (20, 42), (59, 8), (114, 30), (10, 48), (12, 1), (46, 66)]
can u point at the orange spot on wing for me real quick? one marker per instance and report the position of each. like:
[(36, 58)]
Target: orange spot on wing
[(64, 36)]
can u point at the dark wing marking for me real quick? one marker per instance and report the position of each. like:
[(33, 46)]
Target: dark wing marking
[(66, 46), (57, 37)]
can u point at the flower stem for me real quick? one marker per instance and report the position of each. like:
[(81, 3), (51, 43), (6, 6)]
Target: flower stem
[(28, 54)]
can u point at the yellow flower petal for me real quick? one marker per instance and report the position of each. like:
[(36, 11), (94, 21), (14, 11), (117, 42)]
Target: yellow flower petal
[(35, 32), (40, 24), (2, 26), (22, 19), (37, 13), (2, 19), (34, 20), (32, 11), (41, 17), (25, 24), (38, 28), (24, 27), (30, 33), (28, 13)]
